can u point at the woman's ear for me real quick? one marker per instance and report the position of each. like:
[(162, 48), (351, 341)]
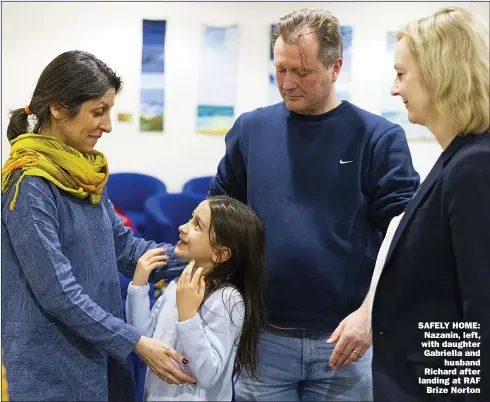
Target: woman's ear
[(221, 254), (56, 111)]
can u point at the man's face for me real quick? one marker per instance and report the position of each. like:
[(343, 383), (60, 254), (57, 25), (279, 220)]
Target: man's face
[(304, 82)]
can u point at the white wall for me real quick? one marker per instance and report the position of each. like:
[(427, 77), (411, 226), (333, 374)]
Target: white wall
[(113, 32)]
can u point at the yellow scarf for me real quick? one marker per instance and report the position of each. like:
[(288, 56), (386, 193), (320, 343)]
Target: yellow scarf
[(5, 394), (80, 174)]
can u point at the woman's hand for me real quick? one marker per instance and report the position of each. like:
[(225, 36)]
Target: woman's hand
[(190, 292), (158, 357), (152, 259)]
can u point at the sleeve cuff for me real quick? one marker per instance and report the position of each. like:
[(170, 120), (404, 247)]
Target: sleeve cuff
[(134, 336), (128, 338), (138, 290), (190, 325)]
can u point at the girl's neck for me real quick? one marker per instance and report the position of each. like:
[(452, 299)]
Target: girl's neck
[(205, 268)]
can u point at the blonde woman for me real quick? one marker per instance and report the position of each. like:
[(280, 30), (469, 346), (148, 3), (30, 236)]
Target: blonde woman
[(437, 270)]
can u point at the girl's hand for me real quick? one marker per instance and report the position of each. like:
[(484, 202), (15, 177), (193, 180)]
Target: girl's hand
[(152, 259), (190, 292)]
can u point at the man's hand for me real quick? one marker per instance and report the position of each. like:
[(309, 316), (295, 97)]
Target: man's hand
[(352, 337)]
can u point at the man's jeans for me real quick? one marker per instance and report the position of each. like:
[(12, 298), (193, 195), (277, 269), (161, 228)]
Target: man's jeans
[(293, 366)]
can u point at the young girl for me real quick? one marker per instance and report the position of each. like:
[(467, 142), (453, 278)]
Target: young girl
[(213, 313)]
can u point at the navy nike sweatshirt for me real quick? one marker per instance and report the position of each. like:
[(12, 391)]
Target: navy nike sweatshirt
[(326, 187)]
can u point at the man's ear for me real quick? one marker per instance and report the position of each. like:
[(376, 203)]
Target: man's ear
[(336, 66)]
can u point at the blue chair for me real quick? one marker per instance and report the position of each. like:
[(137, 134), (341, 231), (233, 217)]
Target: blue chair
[(198, 186), (129, 191), (165, 213)]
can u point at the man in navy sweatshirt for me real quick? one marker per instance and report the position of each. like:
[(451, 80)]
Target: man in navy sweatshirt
[(327, 178)]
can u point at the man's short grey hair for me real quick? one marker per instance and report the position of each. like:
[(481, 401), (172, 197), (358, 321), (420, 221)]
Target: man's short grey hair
[(321, 23)]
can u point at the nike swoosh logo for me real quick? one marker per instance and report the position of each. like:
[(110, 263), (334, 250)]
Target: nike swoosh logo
[(344, 162)]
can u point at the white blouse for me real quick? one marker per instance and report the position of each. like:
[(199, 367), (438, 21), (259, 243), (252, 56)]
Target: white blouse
[(380, 262)]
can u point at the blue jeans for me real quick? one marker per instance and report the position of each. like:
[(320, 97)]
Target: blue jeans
[(294, 367)]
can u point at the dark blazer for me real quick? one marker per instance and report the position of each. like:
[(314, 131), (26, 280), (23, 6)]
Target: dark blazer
[(437, 270)]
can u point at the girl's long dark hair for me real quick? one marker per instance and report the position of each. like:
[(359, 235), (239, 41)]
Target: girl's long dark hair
[(235, 226)]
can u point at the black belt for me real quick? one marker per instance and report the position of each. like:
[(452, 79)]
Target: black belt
[(297, 332)]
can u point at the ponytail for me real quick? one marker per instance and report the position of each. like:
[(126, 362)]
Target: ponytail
[(19, 123)]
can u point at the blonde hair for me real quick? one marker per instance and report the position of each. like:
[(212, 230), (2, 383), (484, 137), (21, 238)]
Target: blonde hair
[(452, 50)]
